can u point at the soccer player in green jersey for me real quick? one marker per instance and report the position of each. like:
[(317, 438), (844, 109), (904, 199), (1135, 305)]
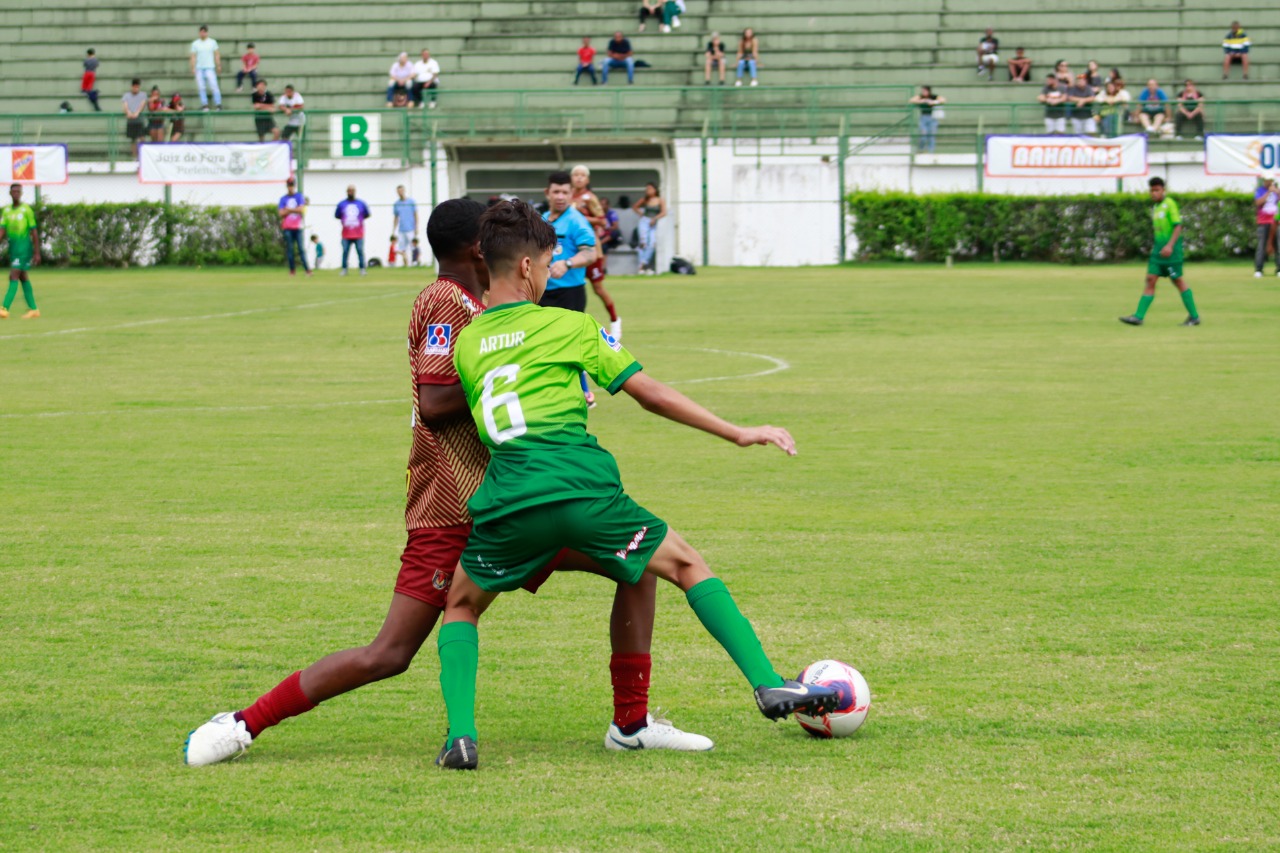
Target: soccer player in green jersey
[(1166, 257), (549, 486), (18, 223)]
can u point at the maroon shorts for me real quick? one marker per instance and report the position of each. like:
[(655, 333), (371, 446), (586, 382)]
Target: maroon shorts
[(595, 271), (430, 558)]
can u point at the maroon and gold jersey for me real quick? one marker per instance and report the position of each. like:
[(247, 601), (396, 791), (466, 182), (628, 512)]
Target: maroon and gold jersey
[(447, 461)]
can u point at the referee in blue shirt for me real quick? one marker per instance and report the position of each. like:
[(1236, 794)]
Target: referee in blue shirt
[(575, 251)]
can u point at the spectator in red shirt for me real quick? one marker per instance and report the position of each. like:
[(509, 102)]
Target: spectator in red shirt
[(89, 80), (248, 67), (586, 61)]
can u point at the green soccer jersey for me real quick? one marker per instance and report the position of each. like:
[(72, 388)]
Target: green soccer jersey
[(1164, 219), (519, 366), (18, 220)]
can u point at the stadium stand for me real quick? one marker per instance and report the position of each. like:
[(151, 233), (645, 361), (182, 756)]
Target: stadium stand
[(823, 62)]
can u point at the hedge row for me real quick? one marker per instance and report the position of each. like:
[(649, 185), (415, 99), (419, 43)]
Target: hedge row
[(1075, 229), (137, 233)]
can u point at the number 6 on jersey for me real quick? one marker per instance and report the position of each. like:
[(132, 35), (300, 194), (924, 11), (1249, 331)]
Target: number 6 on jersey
[(508, 400)]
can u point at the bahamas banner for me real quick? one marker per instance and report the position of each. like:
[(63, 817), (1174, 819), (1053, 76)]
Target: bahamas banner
[(1066, 156), (1240, 153), (214, 162), (35, 164)]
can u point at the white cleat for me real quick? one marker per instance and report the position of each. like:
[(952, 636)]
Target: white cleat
[(1257, 273), (221, 738), (615, 329), (658, 734)]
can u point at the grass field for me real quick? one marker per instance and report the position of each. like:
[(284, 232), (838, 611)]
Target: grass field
[(1047, 539)]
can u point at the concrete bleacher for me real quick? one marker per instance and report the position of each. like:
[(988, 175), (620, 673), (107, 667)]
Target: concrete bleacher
[(337, 53)]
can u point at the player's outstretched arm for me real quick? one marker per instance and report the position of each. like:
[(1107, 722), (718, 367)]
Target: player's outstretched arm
[(653, 396)]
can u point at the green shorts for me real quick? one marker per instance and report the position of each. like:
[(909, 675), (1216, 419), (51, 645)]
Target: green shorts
[(616, 532), (1164, 267), (20, 253)]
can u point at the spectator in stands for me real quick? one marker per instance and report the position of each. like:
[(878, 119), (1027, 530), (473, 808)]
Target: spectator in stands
[(714, 58), (401, 78), (400, 100), (1094, 75), (1080, 105), (1154, 107), (293, 211), (988, 53), (671, 11), (206, 64), (620, 56), (1113, 75), (651, 208), (294, 109), (1235, 48), (1054, 98), (748, 56), (1020, 67), (352, 212), (586, 61), (1062, 71), (426, 78), (248, 67), (264, 104), (89, 79), (135, 101), (651, 9), (177, 120), (1266, 201), (926, 100), (155, 115), (1113, 106), (1190, 111)]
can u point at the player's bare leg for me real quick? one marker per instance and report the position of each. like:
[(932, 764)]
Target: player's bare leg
[(676, 561)]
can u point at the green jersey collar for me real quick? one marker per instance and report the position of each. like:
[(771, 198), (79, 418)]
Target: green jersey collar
[(506, 305)]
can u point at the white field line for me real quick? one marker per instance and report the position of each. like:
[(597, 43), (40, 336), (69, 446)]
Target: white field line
[(778, 365)]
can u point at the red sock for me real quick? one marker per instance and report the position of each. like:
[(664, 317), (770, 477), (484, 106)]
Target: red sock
[(630, 691), (284, 700), (613, 312)]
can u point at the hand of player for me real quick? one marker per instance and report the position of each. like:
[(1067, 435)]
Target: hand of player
[(1166, 251), (767, 435), (558, 269), (35, 259)]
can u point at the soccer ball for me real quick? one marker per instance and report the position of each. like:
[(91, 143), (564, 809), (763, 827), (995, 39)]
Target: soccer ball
[(855, 699)]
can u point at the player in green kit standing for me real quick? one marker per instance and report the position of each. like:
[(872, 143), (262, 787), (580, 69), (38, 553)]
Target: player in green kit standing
[(18, 223), (1166, 257), (549, 486)]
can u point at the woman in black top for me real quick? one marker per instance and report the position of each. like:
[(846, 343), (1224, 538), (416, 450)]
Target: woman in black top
[(714, 56), (1190, 111)]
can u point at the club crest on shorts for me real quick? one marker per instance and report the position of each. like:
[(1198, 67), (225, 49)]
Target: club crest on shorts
[(438, 337), (614, 343), (441, 580)]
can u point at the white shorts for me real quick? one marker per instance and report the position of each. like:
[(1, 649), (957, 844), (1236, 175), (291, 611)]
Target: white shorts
[(1084, 125), (1055, 125), (990, 59)]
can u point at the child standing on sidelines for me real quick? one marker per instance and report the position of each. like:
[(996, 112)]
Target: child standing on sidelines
[(319, 251)]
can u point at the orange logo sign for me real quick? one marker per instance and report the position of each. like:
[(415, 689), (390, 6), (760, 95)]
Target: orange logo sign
[(24, 165)]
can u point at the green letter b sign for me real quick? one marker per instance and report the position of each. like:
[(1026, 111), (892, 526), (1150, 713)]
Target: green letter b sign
[(355, 135)]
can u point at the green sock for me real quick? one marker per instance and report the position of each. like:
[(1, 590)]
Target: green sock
[(721, 617), (30, 296), (13, 291), (459, 645), (1143, 304), (1189, 301)]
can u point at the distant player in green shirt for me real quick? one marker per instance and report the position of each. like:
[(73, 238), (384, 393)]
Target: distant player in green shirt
[(18, 223), (550, 487), (1166, 257)]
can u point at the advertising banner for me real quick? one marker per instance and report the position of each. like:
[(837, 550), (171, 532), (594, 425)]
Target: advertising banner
[(214, 162), (1066, 156), (35, 164), (1241, 153)]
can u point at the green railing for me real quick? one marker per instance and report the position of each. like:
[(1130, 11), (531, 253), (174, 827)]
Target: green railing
[(857, 113)]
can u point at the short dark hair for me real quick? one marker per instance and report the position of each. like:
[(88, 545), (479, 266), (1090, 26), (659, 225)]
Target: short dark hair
[(1156, 182), (250, 44), (453, 226), (14, 184), (511, 230), (204, 28), (262, 81), (288, 85), (90, 51), (135, 82), (559, 178)]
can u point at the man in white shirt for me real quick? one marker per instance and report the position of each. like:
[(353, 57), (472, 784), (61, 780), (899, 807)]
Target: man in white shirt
[(206, 65), (291, 104), (402, 75), (427, 76)]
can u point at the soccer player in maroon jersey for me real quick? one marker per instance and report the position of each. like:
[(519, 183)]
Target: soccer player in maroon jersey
[(446, 464), (588, 204)]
